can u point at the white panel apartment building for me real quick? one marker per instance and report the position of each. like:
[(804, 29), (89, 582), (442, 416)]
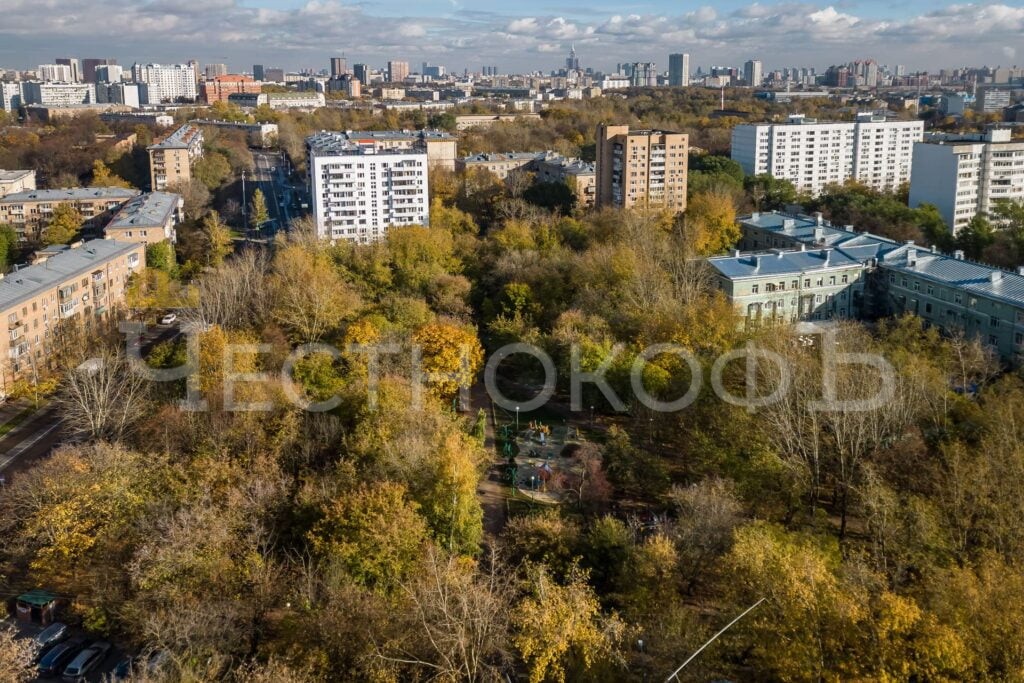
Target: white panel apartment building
[(812, 154), (58, 94), (165, 82), (359, 191), (964, 175)]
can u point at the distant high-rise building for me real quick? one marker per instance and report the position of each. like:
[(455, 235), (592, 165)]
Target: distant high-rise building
[(901, 70), (397, 71), (165, 82), (214, 70), (433, 71), (109, 73), (339, 67), (643, 74), (572, 62), (657, 180), (273, 74), (72, 63), (89, 67), (752, 74), (679, 70), (362, 72), (257, 72), (57, 73)]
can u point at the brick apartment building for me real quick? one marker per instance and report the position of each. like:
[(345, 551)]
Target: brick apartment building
[(171, 159), (29, 211), (68, 284), (219, 88)]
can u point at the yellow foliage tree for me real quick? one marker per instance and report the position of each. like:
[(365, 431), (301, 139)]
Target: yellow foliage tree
[(710, 223), (451, 354)]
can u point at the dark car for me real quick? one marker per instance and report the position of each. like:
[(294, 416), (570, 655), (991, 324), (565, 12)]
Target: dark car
[(47, 638), (123, 669), (87, 660), (54, 661)]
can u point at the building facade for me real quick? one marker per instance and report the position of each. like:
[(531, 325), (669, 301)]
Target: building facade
[(641, 168), (218, 88), (58, 94), (397, 71), (74, 285), (16, 181), (439, 145), (580, 176), (146, 219), (679, 70), (643, 75), (753, 73), (966, 175), (171, 159), (165, 82), (813, 155), (359, 191), (803, 268), (29, 211)]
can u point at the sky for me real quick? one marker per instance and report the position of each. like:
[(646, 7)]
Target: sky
[(518, 36)]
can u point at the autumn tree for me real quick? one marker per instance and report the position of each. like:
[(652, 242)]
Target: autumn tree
[(102, 176), (104, 397), (258, 213), (710, 223), (451, 356), (216, 239), (63, 226), (311, 299), (15, 658)]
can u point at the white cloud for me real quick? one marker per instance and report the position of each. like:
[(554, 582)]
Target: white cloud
[(788, 32)]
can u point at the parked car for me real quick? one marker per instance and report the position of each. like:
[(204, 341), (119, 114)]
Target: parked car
[(87, 660), (47, 638), (168, 318), (123, 669), (54, 661)]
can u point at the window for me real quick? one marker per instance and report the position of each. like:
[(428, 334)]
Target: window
[(993, 321), (753, 289), (846, 278)]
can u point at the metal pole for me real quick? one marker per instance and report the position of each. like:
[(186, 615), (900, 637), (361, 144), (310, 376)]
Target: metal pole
[(712, 639)]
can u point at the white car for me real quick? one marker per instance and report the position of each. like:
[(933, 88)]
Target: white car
[(168, 319)]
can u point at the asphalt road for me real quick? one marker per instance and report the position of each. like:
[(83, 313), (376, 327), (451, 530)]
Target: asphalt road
[(28, 442), (270, 177)]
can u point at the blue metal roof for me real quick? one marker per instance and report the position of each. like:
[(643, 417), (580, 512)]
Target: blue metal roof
[(781, 262)]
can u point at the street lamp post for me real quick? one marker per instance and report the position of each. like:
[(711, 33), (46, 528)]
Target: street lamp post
[(517, 419)]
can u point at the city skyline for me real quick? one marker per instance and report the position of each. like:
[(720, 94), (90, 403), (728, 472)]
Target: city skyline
[(297, 35)]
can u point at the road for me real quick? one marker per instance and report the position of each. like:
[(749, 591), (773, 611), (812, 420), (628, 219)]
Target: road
[(29, 441), (271, 178)]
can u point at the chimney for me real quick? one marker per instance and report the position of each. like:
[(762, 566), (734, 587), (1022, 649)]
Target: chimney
[(958, 254), (995, 276), (818, 218), (819, 233), (736, 253), (788, 223), (1020, 270), (911, 257), (757, 263), (754, 216), (803, 247), (935, 249)]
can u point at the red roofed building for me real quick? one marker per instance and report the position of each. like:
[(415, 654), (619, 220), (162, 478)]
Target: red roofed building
[(217, 89)]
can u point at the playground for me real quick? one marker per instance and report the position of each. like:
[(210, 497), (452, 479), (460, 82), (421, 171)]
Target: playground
[(538, 456)]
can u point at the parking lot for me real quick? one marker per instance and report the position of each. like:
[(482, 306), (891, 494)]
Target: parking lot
[(100, 673)]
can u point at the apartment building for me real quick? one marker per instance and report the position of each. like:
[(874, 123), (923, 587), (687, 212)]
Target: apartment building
[(58, 73), (812, 154), (10, 96), (359, 190), (138, 118), (753, 75), (641, 168), (16, 181), (579, 175), (499, 164), (259, 134), (57, 94), (29, 211), (679, 70), (397, 71), (834, 272), (146, 219), (165, 82), (219, 88), (643, 75), (171, 159), (75, 283), (280, 100), (468, 121), (966, 175), (439, 145)]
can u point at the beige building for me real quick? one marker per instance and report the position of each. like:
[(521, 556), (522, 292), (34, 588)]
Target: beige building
[(641, 168), (439, 145), (74, 283), (580, 176), (16, 181), (146, 219), (487, 120), (29, 212), (499, 164), (171, 159)]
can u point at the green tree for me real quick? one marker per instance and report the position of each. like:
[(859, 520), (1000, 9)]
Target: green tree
[(160, 255), (975, 237), (769, 192), (258, 214), (65, 222), (212, 170), (8, 246)]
